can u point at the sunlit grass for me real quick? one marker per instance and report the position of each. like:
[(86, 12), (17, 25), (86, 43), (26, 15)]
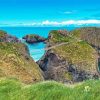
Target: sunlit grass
[(50, 90)]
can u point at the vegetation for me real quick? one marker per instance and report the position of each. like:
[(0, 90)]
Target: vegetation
[(57, 37), (17, 69), (15, 62), (11, 89), (76, 51), (2, 33), (89, 34)]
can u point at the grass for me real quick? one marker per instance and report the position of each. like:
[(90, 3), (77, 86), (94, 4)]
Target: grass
[(16, 62), (89, 34), (57, 37), (11, 89), (76, 52), (2, 33)]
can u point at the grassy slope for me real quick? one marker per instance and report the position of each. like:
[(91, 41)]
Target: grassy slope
[(14, 90), (76, 52), (2, 33), (89, 34), (16, 63)]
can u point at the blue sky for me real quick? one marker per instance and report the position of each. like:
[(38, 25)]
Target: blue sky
[(52, 12)]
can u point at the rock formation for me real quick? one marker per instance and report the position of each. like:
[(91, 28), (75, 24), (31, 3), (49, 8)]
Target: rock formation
[(33, 38), (4, 37), (15, 61), (75, 60)]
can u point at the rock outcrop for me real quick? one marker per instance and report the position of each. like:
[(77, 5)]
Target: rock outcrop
[(91, 35), (72, 61), (4, 37), (15, 61), (88, 34), (33, 38)]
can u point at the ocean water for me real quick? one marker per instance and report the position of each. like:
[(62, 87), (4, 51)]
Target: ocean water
[(36, 50)]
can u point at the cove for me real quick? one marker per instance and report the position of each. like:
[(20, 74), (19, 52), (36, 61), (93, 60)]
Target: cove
[(19, 32)]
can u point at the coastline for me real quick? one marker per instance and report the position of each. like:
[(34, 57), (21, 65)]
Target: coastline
[(19, 32)]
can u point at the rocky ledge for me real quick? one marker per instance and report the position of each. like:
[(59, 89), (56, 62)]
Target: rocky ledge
[(33, 38)]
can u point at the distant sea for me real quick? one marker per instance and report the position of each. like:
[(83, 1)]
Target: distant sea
[(42, 31)]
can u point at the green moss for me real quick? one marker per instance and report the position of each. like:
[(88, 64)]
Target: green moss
[(68, 76), (31, 36)]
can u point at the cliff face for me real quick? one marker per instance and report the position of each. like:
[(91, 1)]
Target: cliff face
[(70, 59), (15, 61), (91, 35)]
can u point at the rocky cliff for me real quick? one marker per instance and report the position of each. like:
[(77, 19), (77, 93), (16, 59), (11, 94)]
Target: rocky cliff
[(69, 59), (4, 37), (15, 61), (91, 35)]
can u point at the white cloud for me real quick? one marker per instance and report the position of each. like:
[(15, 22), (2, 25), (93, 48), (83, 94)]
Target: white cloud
[(47, 22), (56, 23), (68, 12), (70, 22)]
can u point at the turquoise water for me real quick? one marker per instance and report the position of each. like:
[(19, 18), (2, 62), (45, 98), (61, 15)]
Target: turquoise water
[(42, 31)]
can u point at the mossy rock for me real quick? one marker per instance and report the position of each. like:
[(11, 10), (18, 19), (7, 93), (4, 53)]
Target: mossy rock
[(33, 38), (57, 36)]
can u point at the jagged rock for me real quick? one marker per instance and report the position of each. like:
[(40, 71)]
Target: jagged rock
[(33, 38), (4, 37)]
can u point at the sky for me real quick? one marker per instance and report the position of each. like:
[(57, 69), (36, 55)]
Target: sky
[(49, 12)]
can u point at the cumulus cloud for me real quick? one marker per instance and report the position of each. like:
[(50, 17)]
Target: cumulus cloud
[(56, 23), (69, 22)]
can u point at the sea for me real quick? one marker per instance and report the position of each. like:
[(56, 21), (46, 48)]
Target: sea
[(36, 50)]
